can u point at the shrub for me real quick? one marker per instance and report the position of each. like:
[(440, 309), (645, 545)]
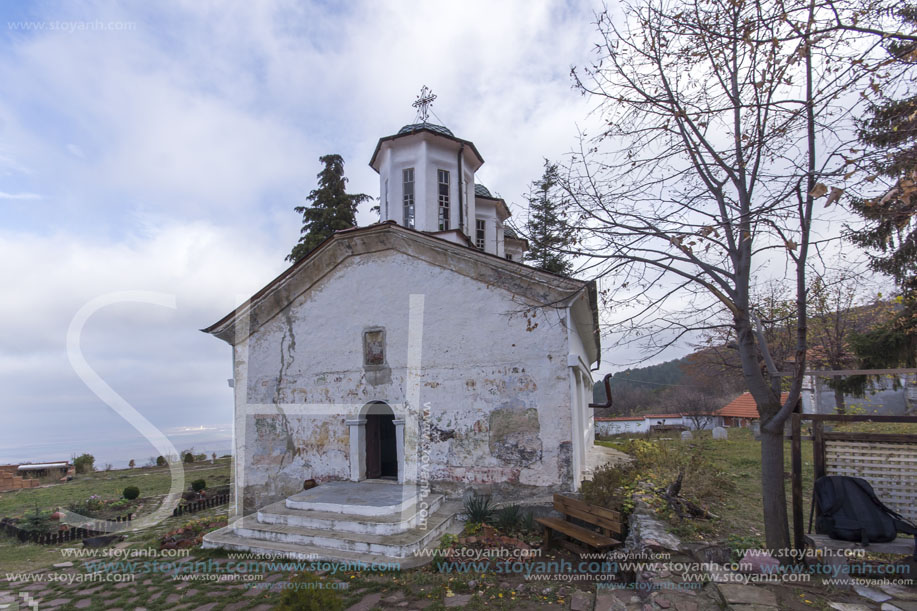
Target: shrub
[(188, 457), (84, 463), (528, 523), (309, 594), (37, 522), (131, 492), (161, 461), (131, 464), (478, 509), (508, 518), (610, 485), (658, 464), (198, 485)]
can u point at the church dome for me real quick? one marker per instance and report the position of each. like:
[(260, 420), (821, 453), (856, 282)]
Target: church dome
[(407, 129), (482, 191)]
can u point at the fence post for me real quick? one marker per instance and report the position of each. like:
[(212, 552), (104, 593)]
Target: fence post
[(796, 472)]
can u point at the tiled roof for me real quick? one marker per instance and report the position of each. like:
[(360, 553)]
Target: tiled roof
[(407, 129), (744, 406), (481, 190)]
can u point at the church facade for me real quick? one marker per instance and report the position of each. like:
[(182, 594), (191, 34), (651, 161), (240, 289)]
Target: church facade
[(419, 349)]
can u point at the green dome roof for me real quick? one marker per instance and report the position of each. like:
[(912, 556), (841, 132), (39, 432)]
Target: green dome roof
[(407, 129)]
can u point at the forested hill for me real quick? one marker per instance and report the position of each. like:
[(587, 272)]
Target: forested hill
[(641, 385), (651, 377), (661, 387)]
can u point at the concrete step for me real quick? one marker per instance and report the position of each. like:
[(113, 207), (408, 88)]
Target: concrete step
[(365, 498), (389, 524), (398, 545), (226, 539)]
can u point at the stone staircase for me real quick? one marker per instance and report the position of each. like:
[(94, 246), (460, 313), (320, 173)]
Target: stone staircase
[(371, 521)]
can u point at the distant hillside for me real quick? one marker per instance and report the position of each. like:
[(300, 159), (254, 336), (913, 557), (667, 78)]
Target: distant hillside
[(659, 388), (638, 385), (663, 374)]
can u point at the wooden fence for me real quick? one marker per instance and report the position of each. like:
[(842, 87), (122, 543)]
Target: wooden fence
[(207, 503), (61, 536)]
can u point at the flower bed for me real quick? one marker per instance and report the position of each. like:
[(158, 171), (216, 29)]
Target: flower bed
[(191, 534)]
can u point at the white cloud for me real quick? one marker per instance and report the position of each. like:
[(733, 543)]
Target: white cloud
[(19, 195)]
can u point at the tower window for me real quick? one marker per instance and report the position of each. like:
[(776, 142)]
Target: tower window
[(479, 234), (443, 177), (407, 179)]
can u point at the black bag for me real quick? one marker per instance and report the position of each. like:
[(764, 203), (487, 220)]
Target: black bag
[(849, 510)]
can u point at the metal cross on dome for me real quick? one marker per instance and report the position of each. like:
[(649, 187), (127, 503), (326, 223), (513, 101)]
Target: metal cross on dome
[(423, 103)]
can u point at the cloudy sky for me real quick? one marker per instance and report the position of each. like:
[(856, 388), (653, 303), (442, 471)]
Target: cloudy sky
[(161, 147)]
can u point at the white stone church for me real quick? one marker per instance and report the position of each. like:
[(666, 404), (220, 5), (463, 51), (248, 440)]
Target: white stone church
[(402, 364)]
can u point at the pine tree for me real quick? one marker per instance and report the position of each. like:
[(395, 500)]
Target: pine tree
[(331, 209), (891, 217), (547, 233)]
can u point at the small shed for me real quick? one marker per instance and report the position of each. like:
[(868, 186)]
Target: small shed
[(48, 469)]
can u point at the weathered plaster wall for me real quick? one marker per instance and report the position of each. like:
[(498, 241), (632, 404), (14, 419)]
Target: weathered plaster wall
[(494, 382)]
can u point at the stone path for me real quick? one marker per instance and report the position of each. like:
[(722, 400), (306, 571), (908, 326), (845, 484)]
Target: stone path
[(71, 587)]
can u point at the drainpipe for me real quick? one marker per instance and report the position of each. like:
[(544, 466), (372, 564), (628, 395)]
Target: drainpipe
[(460, 180)]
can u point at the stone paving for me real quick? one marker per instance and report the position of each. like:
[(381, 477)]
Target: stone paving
[(70, 587)]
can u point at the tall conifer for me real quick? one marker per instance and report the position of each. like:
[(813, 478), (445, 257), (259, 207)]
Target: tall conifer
[(331, 209)]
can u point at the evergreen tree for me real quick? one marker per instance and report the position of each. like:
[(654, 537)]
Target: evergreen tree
[(331, 209), (890, 234), (548, 235)]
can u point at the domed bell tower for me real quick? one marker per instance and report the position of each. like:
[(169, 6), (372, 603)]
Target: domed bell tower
[(426, 183)]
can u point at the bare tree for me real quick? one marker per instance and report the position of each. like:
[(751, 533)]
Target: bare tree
[(723, 122), (839, 312), (697, 407)]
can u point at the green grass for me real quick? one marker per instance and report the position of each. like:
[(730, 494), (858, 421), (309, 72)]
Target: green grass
[(153, 482), (108, 485), (16, 556), (740, 457), (900, 428)]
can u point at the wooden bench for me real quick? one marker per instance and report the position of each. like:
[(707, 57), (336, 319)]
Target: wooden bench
[(887, 461), (839, 553), (608, 521)]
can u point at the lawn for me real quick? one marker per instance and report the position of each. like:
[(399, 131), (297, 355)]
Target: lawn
[(739, 457), (152, 482)]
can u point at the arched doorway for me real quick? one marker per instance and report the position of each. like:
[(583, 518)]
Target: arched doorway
[(381, 442)]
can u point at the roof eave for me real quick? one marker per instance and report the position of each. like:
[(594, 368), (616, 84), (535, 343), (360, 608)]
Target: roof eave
[(384, 139)]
